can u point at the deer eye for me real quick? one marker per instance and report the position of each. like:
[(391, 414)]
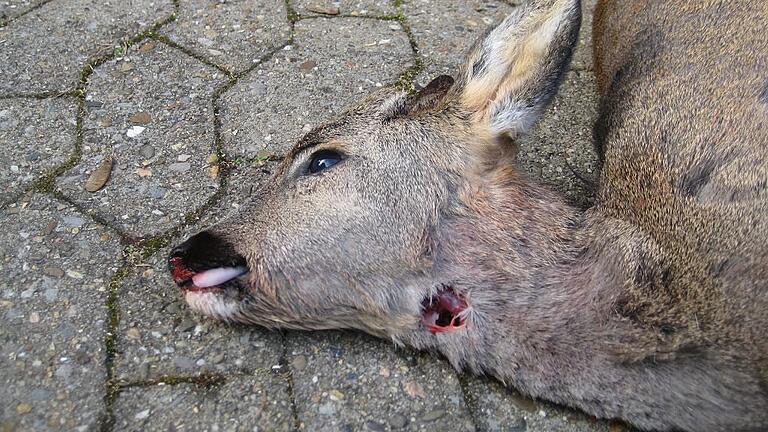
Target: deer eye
[(323, 159)]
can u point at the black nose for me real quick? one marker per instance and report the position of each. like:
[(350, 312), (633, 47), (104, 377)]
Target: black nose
[(204, 251)]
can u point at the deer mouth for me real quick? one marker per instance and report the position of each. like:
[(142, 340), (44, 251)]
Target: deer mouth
[(444, 311), (204, 281)]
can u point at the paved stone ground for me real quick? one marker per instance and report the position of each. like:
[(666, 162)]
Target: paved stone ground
[(195, 101)]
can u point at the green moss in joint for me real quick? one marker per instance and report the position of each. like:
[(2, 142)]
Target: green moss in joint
[(293, 16), (110, 342), (151, 245)]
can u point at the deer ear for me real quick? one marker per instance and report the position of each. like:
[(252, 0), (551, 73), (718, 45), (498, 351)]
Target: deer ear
[(428, 98), (511, 74), (431, 95)]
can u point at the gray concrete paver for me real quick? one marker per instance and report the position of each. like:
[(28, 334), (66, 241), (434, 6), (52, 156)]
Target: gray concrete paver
[(47, 49), (151, 110), (333, 62), (563, 137), (35, 137), (233, 35), (55, 267), (159, 336), (258, 402), (502, 409), (350, 381), (345, 7)]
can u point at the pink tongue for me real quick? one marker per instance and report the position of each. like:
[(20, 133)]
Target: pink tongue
[(217, 276)]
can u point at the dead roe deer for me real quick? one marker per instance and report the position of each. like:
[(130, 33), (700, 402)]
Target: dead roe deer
[(406, 218)]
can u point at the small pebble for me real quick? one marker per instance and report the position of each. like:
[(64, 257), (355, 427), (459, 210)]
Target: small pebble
[(141, 415), (75, 274), (104, 121), (50, 227), (414, 390), (140, 118), (34, 317), (134, 131), (23, 408), (147, 151), (433, 415), (307, 66), (146, 46), (181, 167), (299, 363), (398, 421), (336, 395), (53, 272), (325, 10)]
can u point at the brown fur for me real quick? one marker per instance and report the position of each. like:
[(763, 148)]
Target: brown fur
[(650, 307)]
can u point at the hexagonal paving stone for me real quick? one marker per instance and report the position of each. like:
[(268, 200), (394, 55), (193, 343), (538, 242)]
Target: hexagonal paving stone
[(345, 7), (159, 336), (333, 62), (500, 409), (444, 32), (55, 267), (233, 35), (152, 111), (10, 9), (252, 403), (559, 149), (46, 50), (350, 381), (35, 137)]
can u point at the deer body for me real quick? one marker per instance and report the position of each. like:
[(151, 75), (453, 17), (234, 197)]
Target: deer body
[(405, 217)]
